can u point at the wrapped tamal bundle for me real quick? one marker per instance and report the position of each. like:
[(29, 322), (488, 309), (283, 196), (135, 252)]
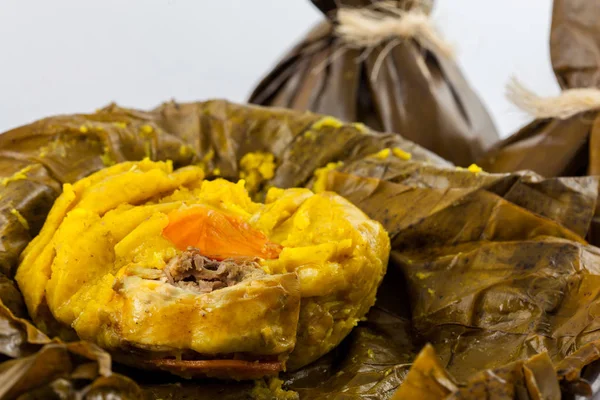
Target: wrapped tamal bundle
[(562, 141), (564, 138), (382, 64), (490, 286)]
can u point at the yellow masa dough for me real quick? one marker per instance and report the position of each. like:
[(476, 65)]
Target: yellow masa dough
[(94, 267)]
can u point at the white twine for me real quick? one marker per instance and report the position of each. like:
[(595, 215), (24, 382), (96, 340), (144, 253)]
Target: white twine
[(370, 27), (567, 104)]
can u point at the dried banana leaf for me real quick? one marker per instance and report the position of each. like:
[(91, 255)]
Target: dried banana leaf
[(490, 269), (561, 147), (399, 86), (484, 268)]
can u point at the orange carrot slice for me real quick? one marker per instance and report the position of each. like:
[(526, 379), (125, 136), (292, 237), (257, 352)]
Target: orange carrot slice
[(217, 235)]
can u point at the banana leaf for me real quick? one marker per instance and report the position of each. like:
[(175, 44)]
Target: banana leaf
[(401, 85), (491, 287), (560, 147), (556, 146)]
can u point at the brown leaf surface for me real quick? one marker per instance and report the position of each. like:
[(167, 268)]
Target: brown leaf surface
[(490, 269), (409, 88)]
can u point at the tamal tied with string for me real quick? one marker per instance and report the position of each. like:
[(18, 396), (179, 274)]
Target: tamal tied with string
[(382, 64), (564, 138)]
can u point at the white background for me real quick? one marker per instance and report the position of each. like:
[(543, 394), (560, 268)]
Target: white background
[(66, 56)]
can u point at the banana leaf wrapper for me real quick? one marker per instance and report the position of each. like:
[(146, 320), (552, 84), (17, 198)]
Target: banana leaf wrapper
[(417, 92), (491, 286), (561, 147)]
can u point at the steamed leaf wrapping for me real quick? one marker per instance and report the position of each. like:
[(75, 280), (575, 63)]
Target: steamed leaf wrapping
[(491, 269), (561, 146), (401, 85)]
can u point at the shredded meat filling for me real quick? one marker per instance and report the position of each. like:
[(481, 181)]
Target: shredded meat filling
[(193, 271)]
